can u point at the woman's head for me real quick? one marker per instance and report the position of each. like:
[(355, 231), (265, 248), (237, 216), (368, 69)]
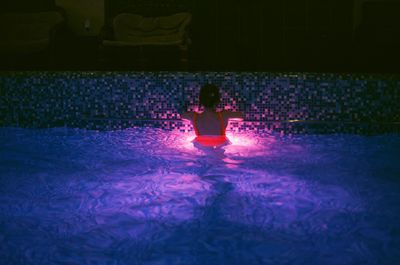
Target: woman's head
[(209, 96)]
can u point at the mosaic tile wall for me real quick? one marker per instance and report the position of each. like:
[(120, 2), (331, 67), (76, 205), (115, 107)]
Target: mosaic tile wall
[(270, 101)]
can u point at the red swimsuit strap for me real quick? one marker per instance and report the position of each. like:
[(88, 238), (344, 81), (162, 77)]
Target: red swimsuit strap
[(221, 122)]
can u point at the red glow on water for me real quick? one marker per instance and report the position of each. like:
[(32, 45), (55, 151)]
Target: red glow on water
[(245, 144)]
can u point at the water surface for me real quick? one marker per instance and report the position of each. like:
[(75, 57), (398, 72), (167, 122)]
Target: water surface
[(148, 196)]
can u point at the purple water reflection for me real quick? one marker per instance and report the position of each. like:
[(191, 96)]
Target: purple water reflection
[(147, 196)]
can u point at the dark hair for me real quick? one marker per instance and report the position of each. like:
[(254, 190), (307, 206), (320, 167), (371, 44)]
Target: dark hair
[(209, 96)]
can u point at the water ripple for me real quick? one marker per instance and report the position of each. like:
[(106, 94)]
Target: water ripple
[(148, 196)]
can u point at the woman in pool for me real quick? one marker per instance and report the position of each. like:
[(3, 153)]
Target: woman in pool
[(210, 125)]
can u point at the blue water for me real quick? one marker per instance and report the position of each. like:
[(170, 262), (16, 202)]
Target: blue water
[(147, 196)]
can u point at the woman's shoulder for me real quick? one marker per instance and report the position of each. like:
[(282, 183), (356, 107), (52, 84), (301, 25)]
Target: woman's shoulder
[(232, 114)]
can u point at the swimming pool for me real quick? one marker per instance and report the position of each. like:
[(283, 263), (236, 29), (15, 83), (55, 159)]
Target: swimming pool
[(147, 196)]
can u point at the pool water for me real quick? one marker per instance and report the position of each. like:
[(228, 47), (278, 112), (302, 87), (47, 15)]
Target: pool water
[(148, 196)]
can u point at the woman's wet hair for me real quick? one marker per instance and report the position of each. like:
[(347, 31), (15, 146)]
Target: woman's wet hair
[(209, 96)]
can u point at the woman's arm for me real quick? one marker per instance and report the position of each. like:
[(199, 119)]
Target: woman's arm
[(183, 113), (234, 115), (186, 115)]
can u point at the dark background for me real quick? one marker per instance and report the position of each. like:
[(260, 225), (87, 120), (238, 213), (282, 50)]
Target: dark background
[(252, 35)]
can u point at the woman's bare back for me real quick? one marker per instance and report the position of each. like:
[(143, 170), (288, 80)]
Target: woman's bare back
[(208, 122)]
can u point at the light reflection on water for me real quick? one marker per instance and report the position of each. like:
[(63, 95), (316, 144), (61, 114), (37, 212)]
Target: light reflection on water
[(147, 196)]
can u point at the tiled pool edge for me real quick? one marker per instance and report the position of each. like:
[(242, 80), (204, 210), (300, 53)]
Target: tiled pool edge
[(328, 103), (261, 128)]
